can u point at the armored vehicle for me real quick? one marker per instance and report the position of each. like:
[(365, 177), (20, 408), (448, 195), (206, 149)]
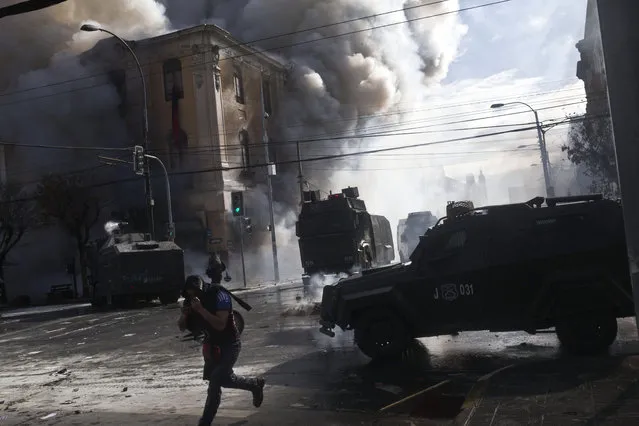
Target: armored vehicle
[(126, 267), (338, 235), (556, 262), (415, 225)]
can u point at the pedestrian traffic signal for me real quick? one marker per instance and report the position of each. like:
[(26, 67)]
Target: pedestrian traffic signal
[(237, 203), (248, 227), (138, 160)]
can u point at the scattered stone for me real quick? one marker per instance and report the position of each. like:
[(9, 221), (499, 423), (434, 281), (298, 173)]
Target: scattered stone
[(64, 370), (76, 412), (75, 390), (125, 389)]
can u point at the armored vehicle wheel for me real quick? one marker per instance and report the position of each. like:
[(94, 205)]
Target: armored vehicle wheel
[(381, 334), (587, 334), (168, 298), (239, 321)]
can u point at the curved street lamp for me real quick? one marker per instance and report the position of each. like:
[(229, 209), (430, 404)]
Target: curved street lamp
[(145, 129), (550, 190)]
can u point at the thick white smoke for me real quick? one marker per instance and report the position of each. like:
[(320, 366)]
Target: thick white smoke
[(359, 77), (353, 78)]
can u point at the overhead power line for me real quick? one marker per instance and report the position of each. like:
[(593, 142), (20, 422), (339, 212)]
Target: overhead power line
[(314, 159), (402, 132)]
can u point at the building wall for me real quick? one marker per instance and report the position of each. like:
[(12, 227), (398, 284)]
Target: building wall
[(591, 68), (212, 121)]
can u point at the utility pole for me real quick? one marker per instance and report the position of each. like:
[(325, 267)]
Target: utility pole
[(270, 170), (300, 175), (545, 162)]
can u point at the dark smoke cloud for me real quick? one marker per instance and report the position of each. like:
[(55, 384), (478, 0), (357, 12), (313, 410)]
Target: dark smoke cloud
[(337, 84)]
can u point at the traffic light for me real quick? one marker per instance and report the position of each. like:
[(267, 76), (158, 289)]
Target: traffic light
[(248, 227), (138, 160), (237, 203)]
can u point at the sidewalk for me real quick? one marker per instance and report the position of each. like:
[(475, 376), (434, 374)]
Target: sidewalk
[(9, 312), (601, 391)]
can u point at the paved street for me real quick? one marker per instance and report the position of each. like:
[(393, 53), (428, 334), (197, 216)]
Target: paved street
[(131, 367)]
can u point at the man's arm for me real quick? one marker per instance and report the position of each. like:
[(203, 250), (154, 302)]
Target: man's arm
[(219, 319)]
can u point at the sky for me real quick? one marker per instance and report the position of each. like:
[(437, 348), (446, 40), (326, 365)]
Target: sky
[(519, 51), (535, 37)]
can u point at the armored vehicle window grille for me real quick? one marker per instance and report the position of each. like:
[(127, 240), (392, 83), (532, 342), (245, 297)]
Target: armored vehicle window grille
[(542, 222), (456, 241), (357, 204), (562, 222)]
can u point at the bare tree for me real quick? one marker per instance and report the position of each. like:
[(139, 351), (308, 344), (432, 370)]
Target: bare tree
[(590, 143), (73, 205), (16, 215)]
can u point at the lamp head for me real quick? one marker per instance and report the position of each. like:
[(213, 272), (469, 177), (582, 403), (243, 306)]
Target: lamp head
[(89, 28)]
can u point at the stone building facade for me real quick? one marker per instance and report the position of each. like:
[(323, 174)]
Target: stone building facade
[(206, 123), (590, 67)]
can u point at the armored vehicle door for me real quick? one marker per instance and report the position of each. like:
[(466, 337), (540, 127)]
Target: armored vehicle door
[(452, 273)]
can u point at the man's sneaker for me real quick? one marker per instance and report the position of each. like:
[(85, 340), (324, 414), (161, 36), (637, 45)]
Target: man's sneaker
[(258, 393)]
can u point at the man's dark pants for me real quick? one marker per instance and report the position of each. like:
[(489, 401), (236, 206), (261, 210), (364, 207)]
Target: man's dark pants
[(220, 375)]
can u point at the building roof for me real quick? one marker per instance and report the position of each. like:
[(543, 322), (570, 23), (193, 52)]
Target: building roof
[(216, 31)]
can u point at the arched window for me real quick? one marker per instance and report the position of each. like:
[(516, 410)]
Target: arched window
[(246, 151)]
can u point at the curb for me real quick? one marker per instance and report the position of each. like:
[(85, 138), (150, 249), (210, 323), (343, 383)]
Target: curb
[(57, 313), (274, 286)]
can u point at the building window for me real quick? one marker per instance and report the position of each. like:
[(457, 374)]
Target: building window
[(239, 86), (118, 79), (266, 92), (173, 79), (246, 150)]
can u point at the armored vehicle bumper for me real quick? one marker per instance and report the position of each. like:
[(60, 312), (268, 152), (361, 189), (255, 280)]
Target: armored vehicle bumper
[(341, 300)]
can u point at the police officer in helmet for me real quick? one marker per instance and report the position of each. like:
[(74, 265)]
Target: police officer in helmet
[(221, 344)]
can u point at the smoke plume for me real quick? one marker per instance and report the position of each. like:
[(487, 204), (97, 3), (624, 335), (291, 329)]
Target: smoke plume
[(349, 79), (344, 80), (344, 76)]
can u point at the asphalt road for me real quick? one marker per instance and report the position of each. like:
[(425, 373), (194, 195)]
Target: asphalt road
[(131, 367)]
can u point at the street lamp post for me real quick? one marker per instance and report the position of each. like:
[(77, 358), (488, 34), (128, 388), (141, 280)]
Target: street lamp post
[(550, 190), (145, 129)]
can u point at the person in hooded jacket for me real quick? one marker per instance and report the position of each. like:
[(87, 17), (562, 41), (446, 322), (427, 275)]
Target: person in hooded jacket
[(221, 346)]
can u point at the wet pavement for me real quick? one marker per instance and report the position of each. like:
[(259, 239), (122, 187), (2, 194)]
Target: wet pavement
[(131, 367)]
